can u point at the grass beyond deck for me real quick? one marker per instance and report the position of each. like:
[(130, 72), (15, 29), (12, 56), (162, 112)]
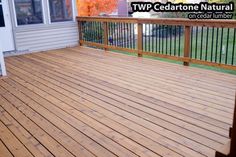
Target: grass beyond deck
[(86, 102)]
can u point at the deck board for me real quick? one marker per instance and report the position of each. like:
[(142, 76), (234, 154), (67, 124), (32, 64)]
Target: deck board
[(87, 102)]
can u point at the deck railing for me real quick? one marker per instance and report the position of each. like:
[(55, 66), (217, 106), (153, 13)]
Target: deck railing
[(207, 42)]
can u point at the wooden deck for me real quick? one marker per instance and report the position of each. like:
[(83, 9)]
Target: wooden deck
[(85, 102)]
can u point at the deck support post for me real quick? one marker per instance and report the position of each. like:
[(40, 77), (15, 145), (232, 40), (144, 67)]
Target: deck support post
[(187, 30), (105, 35), (140, 39), (229, 149)]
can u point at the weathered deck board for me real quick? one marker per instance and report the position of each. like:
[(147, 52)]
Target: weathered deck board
[(84, 102)]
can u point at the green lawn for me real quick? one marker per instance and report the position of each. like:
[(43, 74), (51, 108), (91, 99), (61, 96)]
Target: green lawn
[(205, 45)]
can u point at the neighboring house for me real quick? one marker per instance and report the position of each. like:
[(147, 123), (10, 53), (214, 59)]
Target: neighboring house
[(37, 25), (122, 8)]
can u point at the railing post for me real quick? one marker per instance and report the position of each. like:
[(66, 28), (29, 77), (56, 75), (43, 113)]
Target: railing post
[(140, 39), (186, 43), (105, 34), (80, 32)]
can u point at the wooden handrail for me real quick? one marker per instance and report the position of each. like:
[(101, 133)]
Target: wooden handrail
[(167, 21), (188, 26)]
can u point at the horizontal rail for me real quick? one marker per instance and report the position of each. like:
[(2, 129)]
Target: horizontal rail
[(167, 21), (206, 42)]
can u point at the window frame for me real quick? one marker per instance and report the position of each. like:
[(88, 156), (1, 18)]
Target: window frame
[(27, 25), (73, 13)]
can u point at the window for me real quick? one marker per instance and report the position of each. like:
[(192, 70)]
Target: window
[(28, 12), (60, 10), (2, 22)]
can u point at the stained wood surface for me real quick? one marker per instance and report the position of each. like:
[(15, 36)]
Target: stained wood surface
[(87, 102), (164, 21)]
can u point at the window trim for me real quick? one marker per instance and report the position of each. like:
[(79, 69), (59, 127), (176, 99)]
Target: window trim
[(27, 25), (73, 13)]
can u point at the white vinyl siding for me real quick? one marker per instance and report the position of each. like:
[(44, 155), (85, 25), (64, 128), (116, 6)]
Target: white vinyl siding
[(46, 39), (48, 36)]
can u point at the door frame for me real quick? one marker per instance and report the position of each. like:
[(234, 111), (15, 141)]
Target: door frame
[(2, 62), (8, 23)]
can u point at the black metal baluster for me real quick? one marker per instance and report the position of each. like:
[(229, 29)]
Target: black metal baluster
[(122, 36), (152, 38), (82, 30), (125, 37), (88, 31), (221, 43), (159, 31), (227, 46), (180, 27), (196, 43), (175, 44), (112, 33), (212, 43), (130, 36), (162, 39), (108, 33), (144, 37), (96, 32), (234, 44), (201, 43), (92, 31), (133, 32), (149, 38), (117, 33), (191, 43), (101, 33), (206, 54), (217, 36), (166, 39), (119, 41), (111, 38), (170, 39), (156, 38)]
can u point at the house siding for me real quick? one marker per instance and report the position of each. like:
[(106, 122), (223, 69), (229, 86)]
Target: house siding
[(46, 39), (42, 37)]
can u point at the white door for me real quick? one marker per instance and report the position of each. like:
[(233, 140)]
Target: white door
[(6, 36)]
